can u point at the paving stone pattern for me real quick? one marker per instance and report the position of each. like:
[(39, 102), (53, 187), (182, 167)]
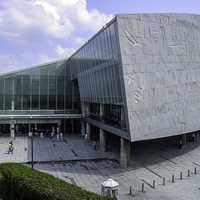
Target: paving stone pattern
[(148, 164)]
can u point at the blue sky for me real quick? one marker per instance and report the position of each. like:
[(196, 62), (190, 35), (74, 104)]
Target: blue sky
[(37, 31), (150, 6)]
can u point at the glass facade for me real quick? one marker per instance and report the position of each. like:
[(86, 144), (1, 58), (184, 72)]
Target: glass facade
[(91, 75), (112, 114), (97, 67), (46, 88)]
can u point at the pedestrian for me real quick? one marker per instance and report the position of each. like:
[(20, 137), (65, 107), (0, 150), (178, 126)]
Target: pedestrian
[(57, 136), (61, 135), (52, 134), (10, 148), (86, 136), (58, 130), (41, 135)]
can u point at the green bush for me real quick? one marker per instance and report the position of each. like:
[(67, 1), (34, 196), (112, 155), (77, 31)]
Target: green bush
[(19, 182)]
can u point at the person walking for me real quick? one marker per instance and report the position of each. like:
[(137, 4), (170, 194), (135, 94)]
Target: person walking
[(10, 148), (61, 136), (57, 136)]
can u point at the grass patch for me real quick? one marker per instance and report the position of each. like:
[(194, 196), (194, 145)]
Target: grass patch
[(19, 182)]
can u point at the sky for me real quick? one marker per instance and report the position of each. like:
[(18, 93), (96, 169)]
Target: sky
[(38, 31)]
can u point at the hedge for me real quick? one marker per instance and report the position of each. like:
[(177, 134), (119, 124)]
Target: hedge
[(19, 182)]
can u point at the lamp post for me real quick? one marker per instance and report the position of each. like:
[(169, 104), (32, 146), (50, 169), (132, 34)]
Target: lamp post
[(31, 136), (32, 150)]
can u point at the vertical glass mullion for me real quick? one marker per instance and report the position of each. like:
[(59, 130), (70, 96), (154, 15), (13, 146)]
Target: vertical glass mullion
[(31, 84), (22, 94)]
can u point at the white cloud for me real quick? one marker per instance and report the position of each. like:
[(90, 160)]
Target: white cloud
[(59, 18), (9, 63), (48, 8), (64, 52), (38, 26), (91, 20), (43, 58), (79, 40)]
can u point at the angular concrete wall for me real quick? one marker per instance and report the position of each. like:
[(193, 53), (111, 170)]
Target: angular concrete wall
[(161, 67)]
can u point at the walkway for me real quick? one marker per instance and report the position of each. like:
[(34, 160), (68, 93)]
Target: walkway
[(47, 150), (87, 168)]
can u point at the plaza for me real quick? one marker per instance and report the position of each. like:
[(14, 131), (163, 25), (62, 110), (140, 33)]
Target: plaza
[(88, 168), (49, 150)]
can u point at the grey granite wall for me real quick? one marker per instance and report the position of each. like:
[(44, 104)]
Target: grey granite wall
[(161, 68)]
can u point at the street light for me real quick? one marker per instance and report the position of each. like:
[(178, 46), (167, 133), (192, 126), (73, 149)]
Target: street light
[(31, 136), (32, 150)]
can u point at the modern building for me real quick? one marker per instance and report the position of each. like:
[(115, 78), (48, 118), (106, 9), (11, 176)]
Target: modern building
[(137, 79)]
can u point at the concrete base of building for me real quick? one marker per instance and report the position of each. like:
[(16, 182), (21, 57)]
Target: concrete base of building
[(88, 131), (125, 152), (102, 138)]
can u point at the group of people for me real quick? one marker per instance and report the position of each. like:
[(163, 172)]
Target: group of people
[(94, 143), (52, 134), (59, 135), (192, 138)]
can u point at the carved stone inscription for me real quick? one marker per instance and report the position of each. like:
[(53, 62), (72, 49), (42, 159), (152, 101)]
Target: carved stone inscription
[(163, 84)]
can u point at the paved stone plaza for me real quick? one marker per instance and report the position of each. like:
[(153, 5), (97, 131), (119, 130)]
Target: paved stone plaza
[(87, 168), (46, 149), (154, 162)]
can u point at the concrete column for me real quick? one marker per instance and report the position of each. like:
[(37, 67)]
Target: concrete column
[(12, 129), (101, 113), (13, 105), (125, 151), (29, 130), (184, 139), (88, 130), (82, 128), (102, 139)]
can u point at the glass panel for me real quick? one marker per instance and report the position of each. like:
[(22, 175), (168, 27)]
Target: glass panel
[(2, 94), (52, 92), (26, 92), (44, 91), (35, 92), (18, 92), (8, 93)]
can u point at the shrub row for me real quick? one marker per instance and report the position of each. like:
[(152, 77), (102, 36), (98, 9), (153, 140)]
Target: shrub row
[(19, 182)]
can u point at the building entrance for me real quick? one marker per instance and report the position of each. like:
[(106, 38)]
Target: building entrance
[(94, 133), (45, 128), (4, 129), (21, 129)]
